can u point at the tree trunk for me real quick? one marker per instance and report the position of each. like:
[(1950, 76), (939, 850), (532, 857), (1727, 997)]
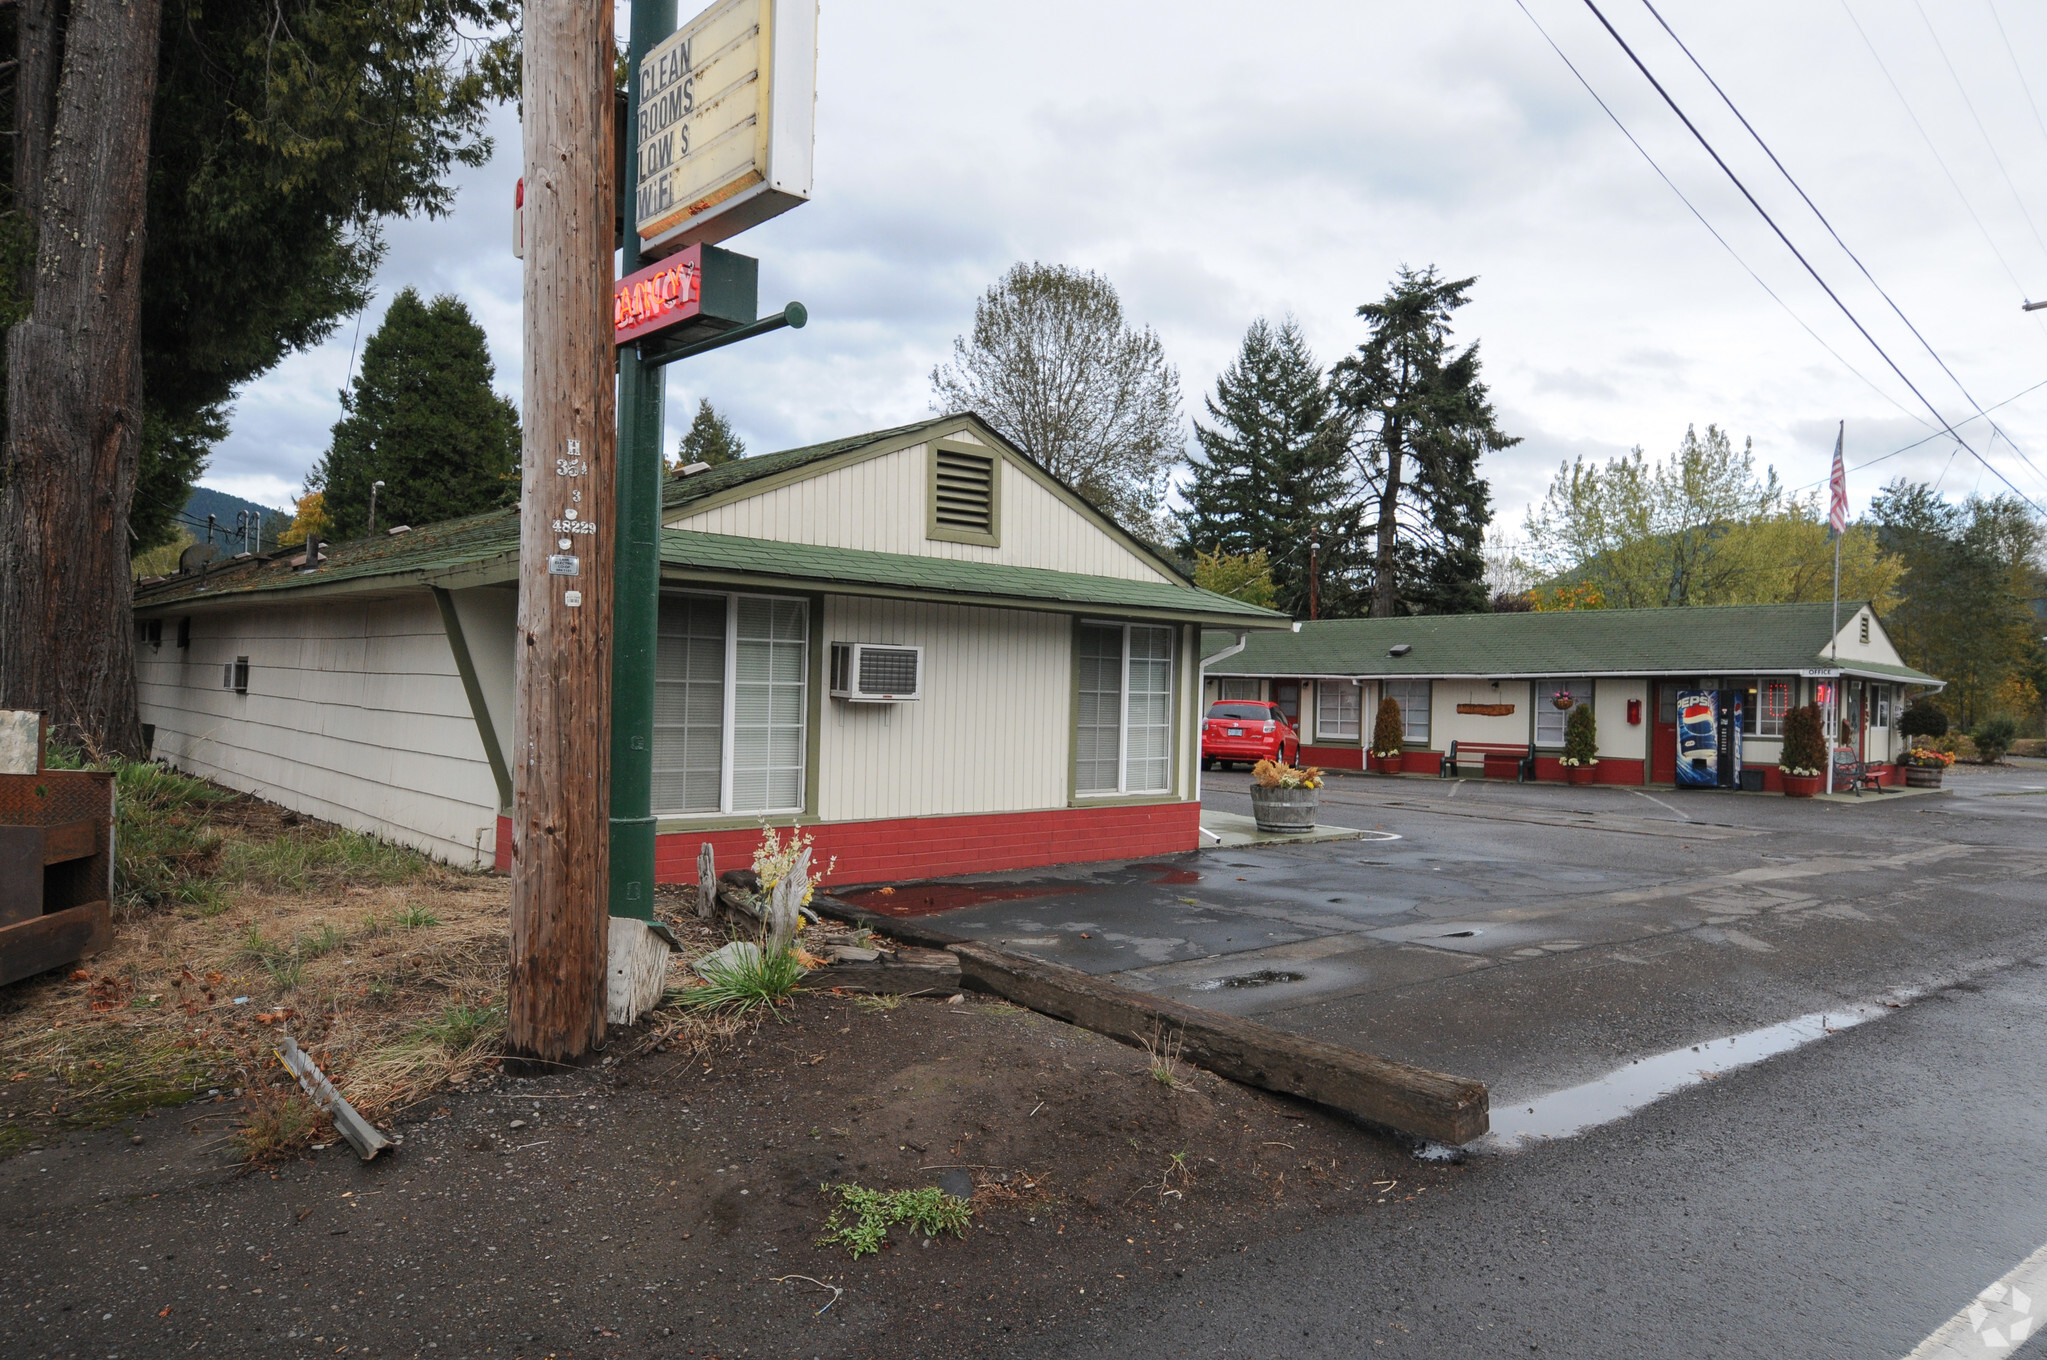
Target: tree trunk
[(74, 369), (562, 674), (1385, 585)]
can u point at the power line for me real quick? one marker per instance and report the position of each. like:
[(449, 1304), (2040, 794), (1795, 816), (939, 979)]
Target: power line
[(1907, 448), (1970, 104), (1939, 159), (1724, 245), (1800, 256), (1792, 180), (2017, 70)]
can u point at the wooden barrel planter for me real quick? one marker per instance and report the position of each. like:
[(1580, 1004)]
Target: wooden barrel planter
[(1923, 776), (1581, 774), (1283, 810)]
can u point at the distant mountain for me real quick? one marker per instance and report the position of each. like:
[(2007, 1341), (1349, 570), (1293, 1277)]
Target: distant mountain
[(205, 501)]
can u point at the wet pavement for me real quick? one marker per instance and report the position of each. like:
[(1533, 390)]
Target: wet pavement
[(1539, 937)]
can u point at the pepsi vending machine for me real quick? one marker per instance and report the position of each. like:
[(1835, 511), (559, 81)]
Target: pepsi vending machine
[(1709, 738)]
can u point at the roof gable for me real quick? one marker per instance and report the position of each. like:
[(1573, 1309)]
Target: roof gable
[(871, 493)]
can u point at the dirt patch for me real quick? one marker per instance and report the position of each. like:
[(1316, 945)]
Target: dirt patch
[(667, 1204)]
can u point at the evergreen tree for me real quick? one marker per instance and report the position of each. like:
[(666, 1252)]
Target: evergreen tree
[(1267, 476), (1418, 418), (422, 418), (709, 439)]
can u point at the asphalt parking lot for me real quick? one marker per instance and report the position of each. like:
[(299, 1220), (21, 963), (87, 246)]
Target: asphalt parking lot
[(1536, 937)]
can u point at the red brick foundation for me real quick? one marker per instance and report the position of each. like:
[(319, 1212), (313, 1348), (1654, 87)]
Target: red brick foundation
[(1609, 770), (934, 847)]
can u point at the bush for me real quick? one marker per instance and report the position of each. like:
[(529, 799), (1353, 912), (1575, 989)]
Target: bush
[(1923, 719), (1388, 732), (1805, 743), (1993, 737), (929, 1211), (1581, 737)]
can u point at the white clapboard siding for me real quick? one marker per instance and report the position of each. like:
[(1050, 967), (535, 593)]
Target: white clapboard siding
[(355, 714), (881, 504), (991, 734)]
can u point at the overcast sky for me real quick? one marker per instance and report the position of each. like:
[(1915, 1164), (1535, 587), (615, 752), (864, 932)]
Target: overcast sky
[(1222, 162)]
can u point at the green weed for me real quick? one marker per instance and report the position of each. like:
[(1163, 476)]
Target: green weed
[(879, 1001), (325, 940), (164, 850), (414, 918), (461, 1026), (301, 860), (753, 980), (873, 1212)]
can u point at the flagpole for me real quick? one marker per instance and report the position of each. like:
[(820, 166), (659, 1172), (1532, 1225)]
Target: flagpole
[(1836, 511)]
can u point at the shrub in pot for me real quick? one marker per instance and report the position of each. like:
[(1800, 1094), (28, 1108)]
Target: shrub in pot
[(1804, 762), (1924, 766), (1581, 744), (1388, 732)]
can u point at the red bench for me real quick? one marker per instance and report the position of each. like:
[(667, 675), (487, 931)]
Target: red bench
[(1521, 757)]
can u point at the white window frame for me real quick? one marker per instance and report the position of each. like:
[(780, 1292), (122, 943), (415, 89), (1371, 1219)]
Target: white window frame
[(1880, 700), (1334, 731), (1407, 717), (730, 707), (1123, 789), (1581, 689), (1768, 725), (1229, 689)]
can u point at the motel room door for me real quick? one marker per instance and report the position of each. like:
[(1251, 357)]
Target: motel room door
[(1663, 736), (1287, 694)]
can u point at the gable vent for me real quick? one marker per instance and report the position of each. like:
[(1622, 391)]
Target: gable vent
[(965, 492)]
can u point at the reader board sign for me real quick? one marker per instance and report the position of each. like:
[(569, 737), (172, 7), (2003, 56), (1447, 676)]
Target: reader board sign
[(1698, 738), (726, 115)]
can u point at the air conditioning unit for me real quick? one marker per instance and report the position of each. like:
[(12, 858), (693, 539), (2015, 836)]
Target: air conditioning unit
[(877, 673)]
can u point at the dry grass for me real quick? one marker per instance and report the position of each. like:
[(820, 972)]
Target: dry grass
[(388, 968)]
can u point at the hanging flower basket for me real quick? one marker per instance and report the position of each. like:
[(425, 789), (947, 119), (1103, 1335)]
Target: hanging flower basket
[(1562, 699)]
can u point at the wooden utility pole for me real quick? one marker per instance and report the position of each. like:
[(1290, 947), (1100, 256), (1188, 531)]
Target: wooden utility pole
[(561, 775)]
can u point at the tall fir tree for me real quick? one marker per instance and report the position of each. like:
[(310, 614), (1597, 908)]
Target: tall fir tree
[(1418, 418), (1267, 476), (423, 418), (709, 439)]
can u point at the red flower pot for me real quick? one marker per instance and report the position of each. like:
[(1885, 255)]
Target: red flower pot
[(1385, 764), (1581, 774), (1803, 785)]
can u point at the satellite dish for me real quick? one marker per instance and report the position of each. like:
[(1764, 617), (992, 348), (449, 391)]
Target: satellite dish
[(198, 557)]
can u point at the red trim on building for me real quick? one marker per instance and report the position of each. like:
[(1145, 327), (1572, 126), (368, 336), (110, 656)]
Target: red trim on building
[(1421, 762), (932, 847), (1334, 757), (1609, 770)]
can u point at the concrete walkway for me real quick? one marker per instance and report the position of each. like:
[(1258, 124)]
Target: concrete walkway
[(1230, 830)]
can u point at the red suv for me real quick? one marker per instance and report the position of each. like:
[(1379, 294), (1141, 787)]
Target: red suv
[(1250, 731)]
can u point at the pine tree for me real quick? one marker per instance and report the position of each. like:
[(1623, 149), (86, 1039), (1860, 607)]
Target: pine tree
[(709, 439), (1267, 477), (1419, 419), (422, 418)]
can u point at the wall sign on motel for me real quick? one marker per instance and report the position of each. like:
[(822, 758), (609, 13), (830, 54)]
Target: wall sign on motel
[(726, 115)]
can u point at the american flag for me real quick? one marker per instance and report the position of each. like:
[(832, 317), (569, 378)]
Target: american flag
[(1837, 509)]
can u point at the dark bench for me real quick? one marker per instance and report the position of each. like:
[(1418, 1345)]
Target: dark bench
[(1487, 752)]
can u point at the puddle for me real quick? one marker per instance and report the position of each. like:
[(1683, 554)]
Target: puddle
[(1166, 873), (1460, 935), (1562, 1114), (1264, 977), (928, 899)]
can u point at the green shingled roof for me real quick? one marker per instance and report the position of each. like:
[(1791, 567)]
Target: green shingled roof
[(1736, 639), (680, 491), (686, 553)]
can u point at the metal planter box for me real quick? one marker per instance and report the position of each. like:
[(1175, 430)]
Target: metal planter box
[(56, 869)]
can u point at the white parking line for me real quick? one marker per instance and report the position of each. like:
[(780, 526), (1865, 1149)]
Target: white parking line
[(1660, 803), (1997, 1321)]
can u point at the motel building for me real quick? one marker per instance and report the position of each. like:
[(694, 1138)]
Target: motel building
[(1504, 685), (915, 643)]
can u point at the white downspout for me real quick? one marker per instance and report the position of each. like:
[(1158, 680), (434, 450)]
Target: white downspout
[(1201, 693)]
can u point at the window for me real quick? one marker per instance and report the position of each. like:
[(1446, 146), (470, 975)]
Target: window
[(1123, 722), (1773, 701), (1237, 689), (1336, 710), (1880, 705), (1865, 629), (149, 633), (1413, 698), (234, 675), (966, 495), (731, 703), (1240, 712), (1549, 719), (185, 631)]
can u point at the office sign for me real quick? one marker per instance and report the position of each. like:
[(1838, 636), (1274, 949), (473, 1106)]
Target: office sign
[(726, 116)]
